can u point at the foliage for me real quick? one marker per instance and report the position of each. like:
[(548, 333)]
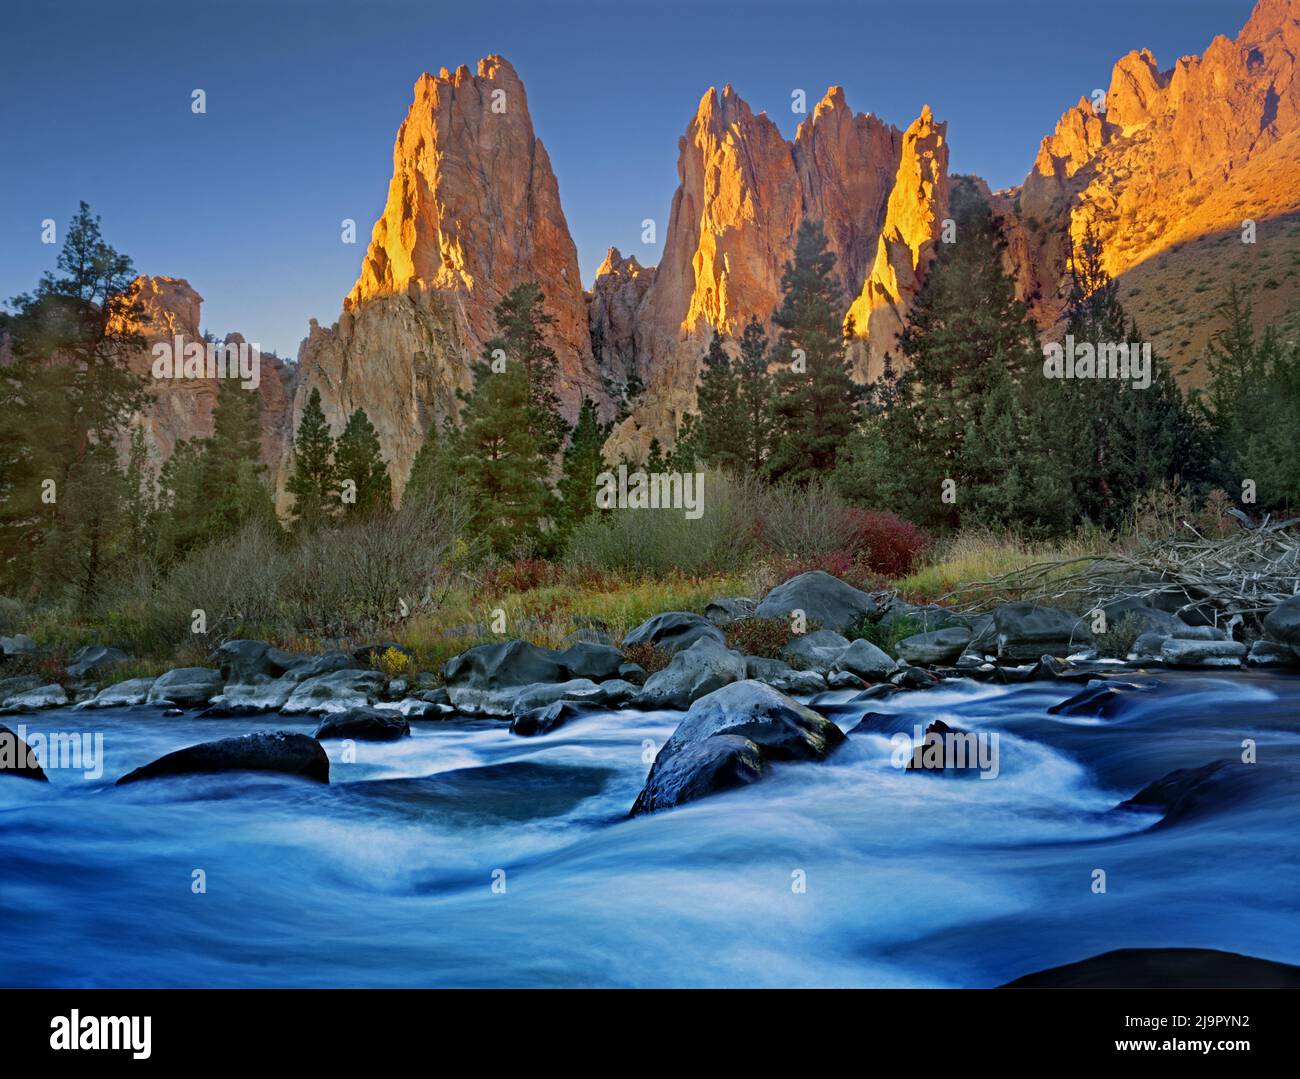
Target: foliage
[(759, 636)]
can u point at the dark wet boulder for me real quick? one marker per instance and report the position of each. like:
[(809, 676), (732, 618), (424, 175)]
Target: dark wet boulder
[(940, 646), (364, 725), (692, 673), (12, 687), (487, 678), (816, 651), (543, 720), (1024, 631), (242, 661), (186, 687), (1213, 788), (18, 759), (1282, 623), (1177, 653), (301, 668), (761, 724), (876, 692), (914, 678), (845, 680), (50, 695), (589, 659), (864, 659), (632, 672), (1102, 699), (673, 631), (265, 751), (95, 661), (1164, 968), (822, 598), (727, 609), (702, 768), (950, 751)]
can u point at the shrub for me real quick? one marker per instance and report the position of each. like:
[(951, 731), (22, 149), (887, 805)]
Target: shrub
[(888, 544), (847, 565), (11, 616), (647, 656), (1117, 641), (804, 522), (885, 638), (391, 663), (759, 636)]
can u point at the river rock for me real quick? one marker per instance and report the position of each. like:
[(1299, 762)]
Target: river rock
[(543, 720), (542, 694), (937, 646), (1211, 788), (363, 725), (487, 678), (95, 660), (11, 687), (126, 694), (17, 758), (728, 609), (1102, 699), (1024, 632), (1282, 623), (336, 692), (705, 666), (1272, 654), (674, 631), (822, 598), (243, 662), (51, 695), (1202, 653), (759, 723), (780, 675), (864, 659), (816, 651), (186, 687), (1165, 968), (265, 751), (302, 668), (18, 645), (914, 678), (845, 680), (263, 694)]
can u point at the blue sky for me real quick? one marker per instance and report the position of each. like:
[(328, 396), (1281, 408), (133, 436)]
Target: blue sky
[(304, 100)]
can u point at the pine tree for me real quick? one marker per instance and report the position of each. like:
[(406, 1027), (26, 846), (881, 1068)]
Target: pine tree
[(583, 462), (357, 459), (433, 472), (510, 430), (755, 399), (718, 425), (232, 481), (816, 403), (313, 478), (955, 413)]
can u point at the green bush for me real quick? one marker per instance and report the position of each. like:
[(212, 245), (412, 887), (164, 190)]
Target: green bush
[(1117, 641)]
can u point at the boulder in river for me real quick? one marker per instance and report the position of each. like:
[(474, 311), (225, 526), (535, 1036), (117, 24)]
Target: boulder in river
[(939, 646), (780, 675), (487, 678), (1272, 654), (11, 687), (1102, 699), (125, 694), (51, 695), (816, 651), (1202, 653), (759, 724), (363, 725), (17, 758), (864, 659), (186, 687), (1213, 788), (1024, 631), (673, 631), (824, 599), (335, 692), (262, 694), (547, 718), (264, 751), (1283, 623), (705, 666), (1165, 968)]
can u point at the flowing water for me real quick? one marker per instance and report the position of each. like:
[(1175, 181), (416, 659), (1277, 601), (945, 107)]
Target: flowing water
[(465, 855)]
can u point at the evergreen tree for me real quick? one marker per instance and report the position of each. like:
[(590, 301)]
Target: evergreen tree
[(718, 427), (357, 459), (955, 413), (583, 462), (232, 478), (313, 478), (510, 430), (816, 402), (433, 472), (66, 390), (755, 399)]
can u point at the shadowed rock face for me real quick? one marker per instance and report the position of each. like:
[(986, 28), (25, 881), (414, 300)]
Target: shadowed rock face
[(1164, 968), (265, 751)]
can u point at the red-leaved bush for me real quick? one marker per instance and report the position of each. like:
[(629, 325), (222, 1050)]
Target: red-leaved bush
[(889, 545)]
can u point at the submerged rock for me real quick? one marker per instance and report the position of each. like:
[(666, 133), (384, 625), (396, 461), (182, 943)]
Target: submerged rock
[(1213, 787), (822, 598), (265, 751), (1102, 698), (760, 724), (546, 719)]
